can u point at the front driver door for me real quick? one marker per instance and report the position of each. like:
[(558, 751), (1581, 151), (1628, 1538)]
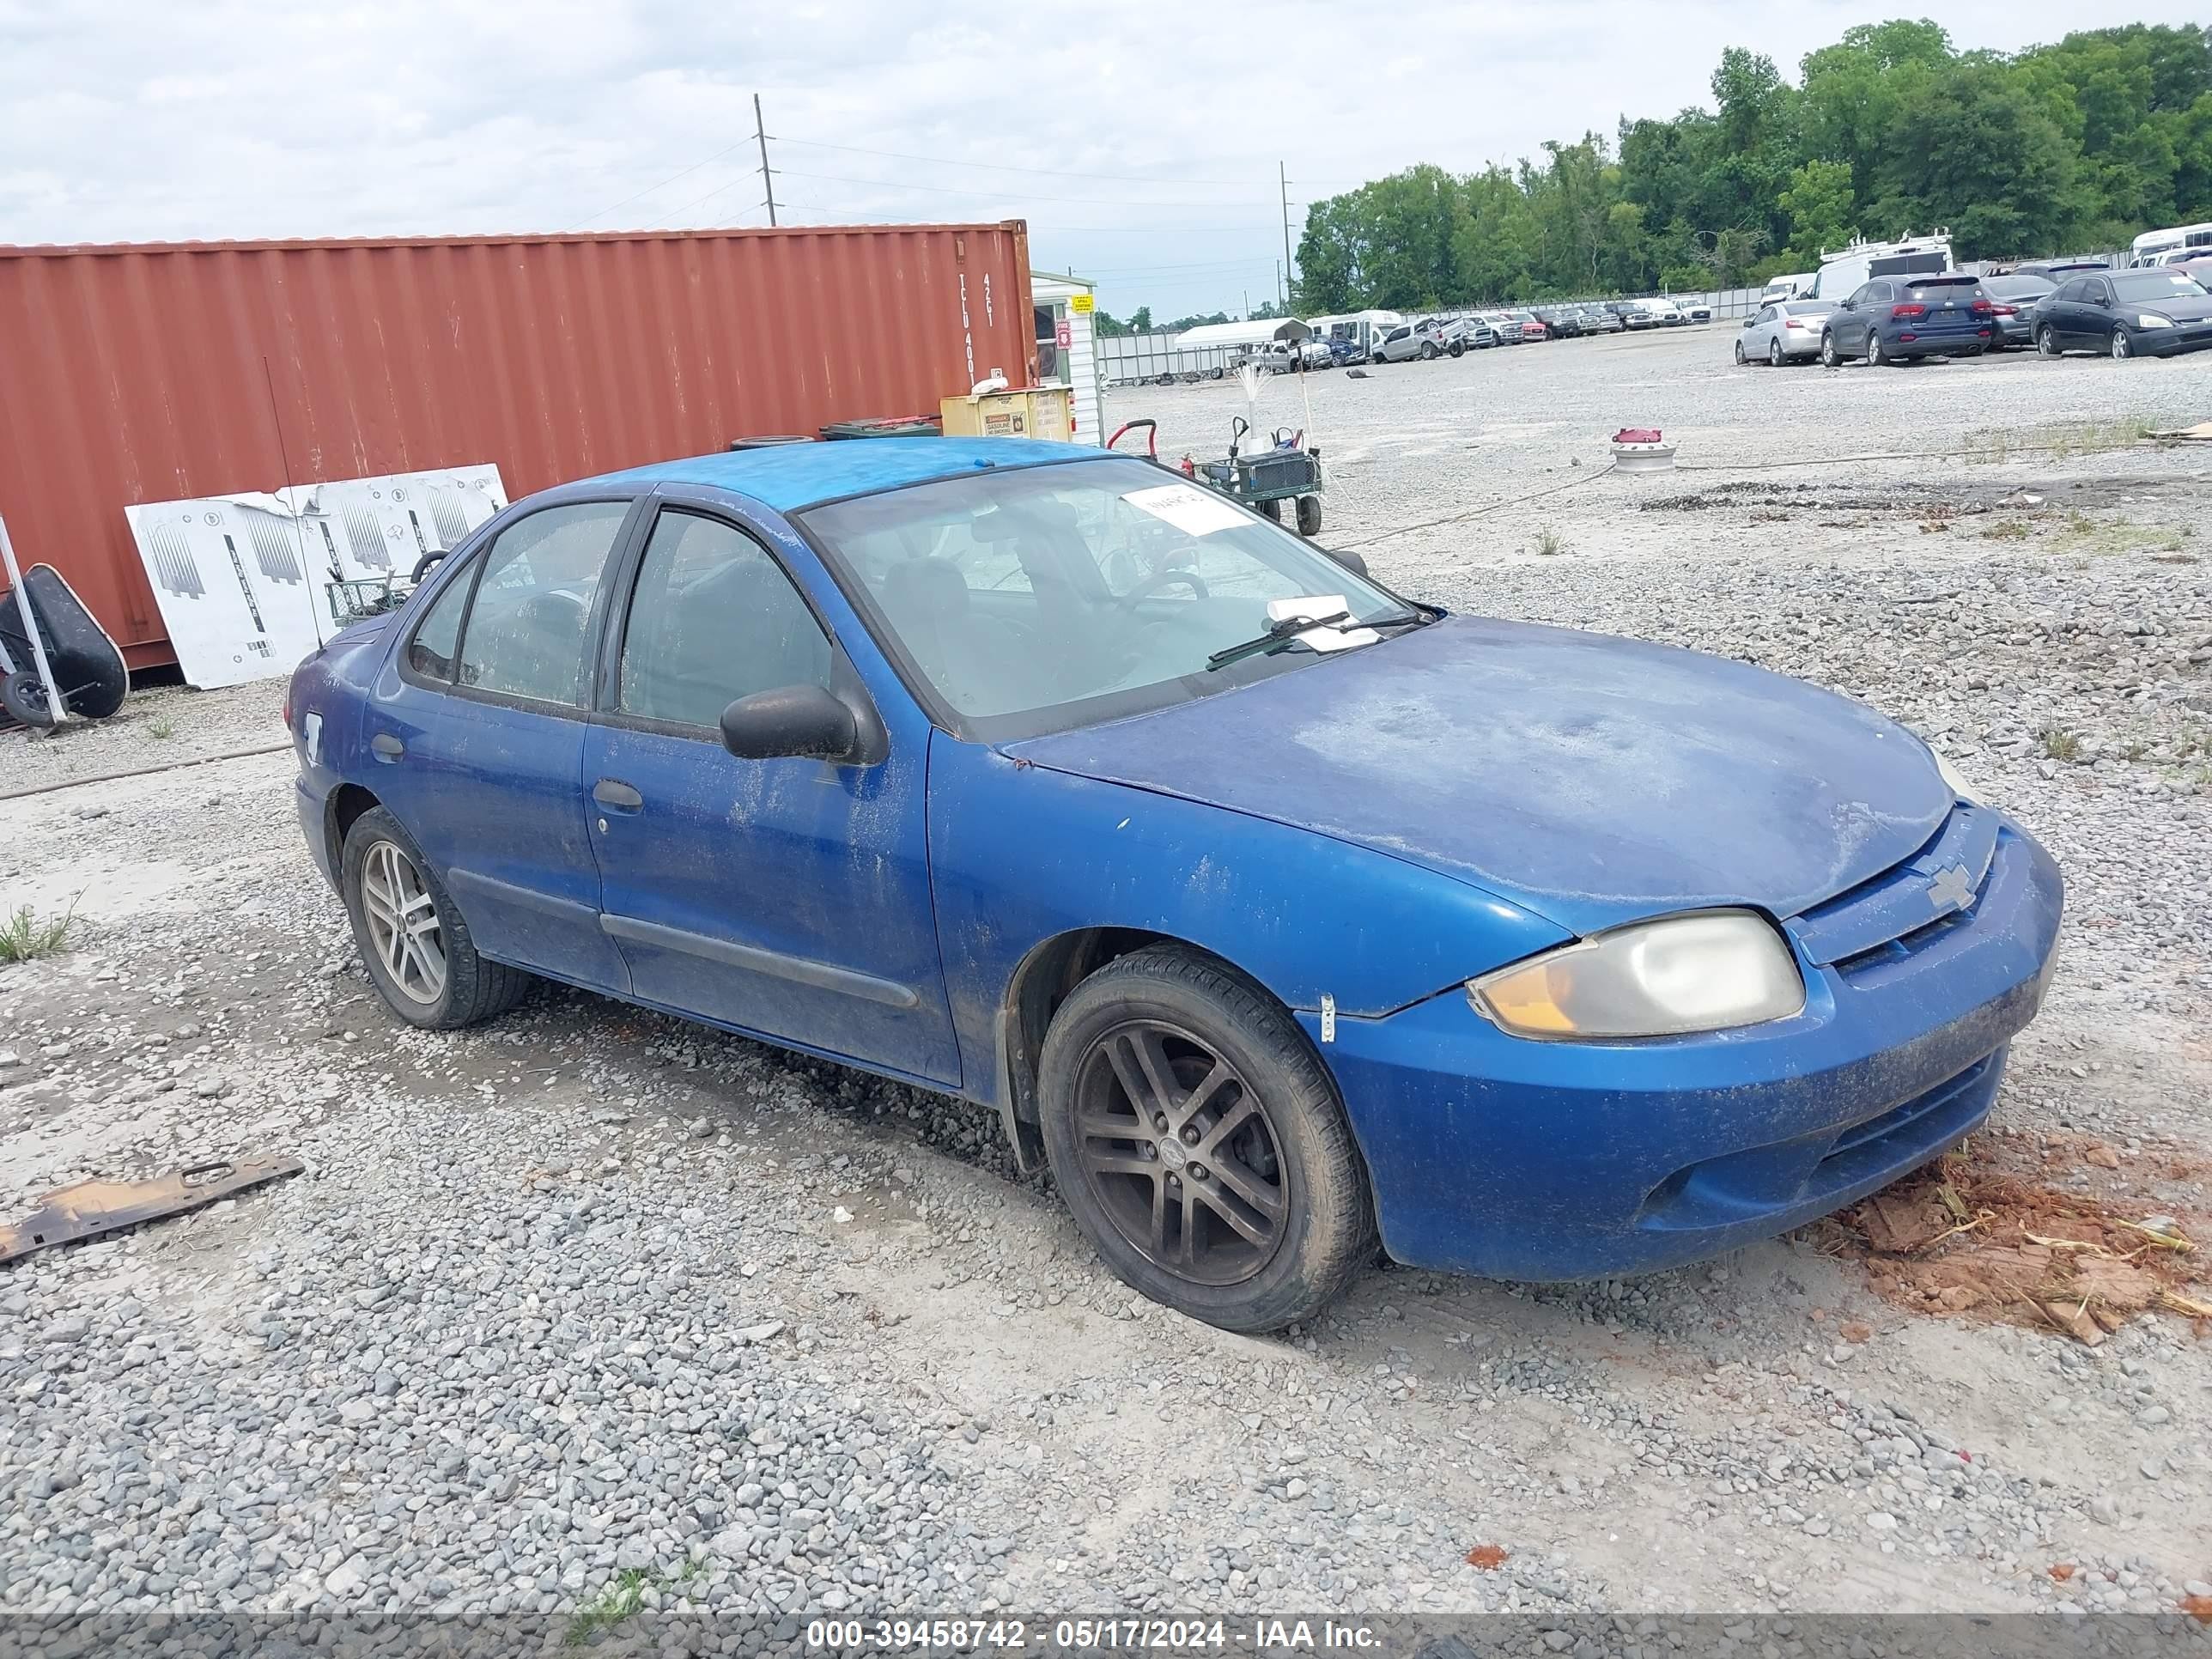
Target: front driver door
[(2099, 316), (787, 897)]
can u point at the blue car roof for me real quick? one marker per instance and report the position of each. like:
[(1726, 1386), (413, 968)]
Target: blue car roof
[(788, 477)]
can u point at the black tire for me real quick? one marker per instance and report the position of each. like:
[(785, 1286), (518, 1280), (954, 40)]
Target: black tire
[(475, 989), (1269, 510), (1741, 360), (1875, 356), (1309, 516), (1774, 354), (24, 696), (1458, 348), (2046, 342), (1215, 373), (1829, 357), (2124, 343), (1429, 354), (1321, 1228)]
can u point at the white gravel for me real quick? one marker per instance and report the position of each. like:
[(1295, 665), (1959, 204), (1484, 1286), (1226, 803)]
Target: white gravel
[(591, 1293)]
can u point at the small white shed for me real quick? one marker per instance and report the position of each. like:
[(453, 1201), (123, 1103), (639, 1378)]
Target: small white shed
[(1066, 352)]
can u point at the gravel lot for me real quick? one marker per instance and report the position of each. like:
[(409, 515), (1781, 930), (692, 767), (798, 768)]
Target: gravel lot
[(592, 1300)]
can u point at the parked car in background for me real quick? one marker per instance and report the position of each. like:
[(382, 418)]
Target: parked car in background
[(1561, 322), (1663, 313), (1695, 308), (1605, 320), (1408, 341), (1505, 325), (1901, 320), (2014, 299), (1787, 287), (1637, 314), (1616, 956), (1450, 333), (1784, 330), (2154, 313), (1344, 351), (2053, 270), (1532, 328)]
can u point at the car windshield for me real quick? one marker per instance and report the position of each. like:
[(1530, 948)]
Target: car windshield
[(1035, 598), (2018, 287), (2135, 286)]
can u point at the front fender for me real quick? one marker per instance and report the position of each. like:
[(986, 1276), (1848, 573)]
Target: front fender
[(1021, 854)]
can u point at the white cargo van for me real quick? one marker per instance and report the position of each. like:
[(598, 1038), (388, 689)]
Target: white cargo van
[(1843, 271), (1785, 287)]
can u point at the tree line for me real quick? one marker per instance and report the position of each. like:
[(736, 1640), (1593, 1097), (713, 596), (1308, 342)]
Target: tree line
[(1888, 132)]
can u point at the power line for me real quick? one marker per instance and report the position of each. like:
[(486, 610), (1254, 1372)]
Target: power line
[(991, 195), (1001, 166), (649, 189)]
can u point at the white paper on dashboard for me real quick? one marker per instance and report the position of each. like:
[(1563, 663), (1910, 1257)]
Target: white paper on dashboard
[(1194, 511), (1338, 637)]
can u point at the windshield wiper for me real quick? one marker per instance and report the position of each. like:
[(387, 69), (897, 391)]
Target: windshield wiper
[(1279, 633)]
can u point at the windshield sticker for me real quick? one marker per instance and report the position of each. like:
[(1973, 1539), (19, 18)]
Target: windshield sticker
[(1194, 511)]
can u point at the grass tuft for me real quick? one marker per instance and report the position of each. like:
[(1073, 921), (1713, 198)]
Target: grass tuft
[(26, 936), (2059, 743)]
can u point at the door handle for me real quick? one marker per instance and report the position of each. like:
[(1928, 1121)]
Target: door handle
[(387, 747), (608, 792)]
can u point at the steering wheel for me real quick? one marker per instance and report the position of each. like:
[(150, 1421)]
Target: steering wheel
[(1159, 579)]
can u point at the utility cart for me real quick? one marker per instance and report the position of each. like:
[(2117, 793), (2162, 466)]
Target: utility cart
[(1262, 479)]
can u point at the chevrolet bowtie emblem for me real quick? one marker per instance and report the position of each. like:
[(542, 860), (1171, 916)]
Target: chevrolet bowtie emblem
[(1951, 889)]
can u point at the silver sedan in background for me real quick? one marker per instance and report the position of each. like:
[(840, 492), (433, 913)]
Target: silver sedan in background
[(1786, 329)]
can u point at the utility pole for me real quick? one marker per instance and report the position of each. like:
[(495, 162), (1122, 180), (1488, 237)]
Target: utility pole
[(1283, 178), (768, 178)]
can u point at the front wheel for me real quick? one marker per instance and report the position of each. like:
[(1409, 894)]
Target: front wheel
[(2046, 341), (1740, 359), (1309, 516), (411, 936), (1875, 355), (1269, 510), (2123, 345), (24, 695), (1199, 1145)]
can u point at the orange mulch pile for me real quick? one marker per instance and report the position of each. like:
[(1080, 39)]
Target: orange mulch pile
[(1966, 1237), (1488, 1556)]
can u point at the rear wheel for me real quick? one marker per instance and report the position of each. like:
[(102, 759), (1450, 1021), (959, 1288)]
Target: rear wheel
[(1774, 354), (1429, 353), (1269, 510), (1458, 347), (411, 936), (1199, 1145)]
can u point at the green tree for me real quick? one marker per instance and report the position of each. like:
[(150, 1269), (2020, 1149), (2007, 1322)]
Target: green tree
[(1973, 150), (1140, 320), (1820, 203)]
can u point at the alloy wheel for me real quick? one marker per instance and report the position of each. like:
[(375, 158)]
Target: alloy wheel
[(403, 924), (2046, 341), (1739, 354), (2123, 347), (1774, 354), (1178, 1149)]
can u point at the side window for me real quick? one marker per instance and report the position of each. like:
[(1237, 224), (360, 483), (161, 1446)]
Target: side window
[(714, 619), (2100, 292), (526, 631), (2070, 290), (437, 641)]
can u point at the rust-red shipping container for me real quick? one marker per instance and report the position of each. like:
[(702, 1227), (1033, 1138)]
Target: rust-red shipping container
[(165, 371)]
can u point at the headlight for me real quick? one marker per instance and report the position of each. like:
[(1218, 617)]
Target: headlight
[(1952, 777), (2152, 319), (1702, 972)]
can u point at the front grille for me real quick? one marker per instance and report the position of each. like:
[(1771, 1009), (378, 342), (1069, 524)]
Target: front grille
[(1909, 905)]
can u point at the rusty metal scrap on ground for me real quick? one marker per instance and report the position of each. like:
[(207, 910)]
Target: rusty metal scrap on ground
[(91, 1208)]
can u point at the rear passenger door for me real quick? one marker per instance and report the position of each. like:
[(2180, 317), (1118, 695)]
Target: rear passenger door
[(475, 739)]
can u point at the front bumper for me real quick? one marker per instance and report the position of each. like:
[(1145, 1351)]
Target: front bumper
[(1495, 1155)]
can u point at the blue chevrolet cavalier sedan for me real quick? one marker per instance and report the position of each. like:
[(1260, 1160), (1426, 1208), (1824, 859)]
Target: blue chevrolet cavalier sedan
[(1272, 910)]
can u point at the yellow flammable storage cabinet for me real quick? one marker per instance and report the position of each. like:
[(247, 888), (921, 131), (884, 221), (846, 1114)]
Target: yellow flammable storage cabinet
[(1030, 411)]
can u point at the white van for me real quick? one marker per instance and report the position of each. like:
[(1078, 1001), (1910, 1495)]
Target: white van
[(1843, 272), (2155, 247), (1785, 287)]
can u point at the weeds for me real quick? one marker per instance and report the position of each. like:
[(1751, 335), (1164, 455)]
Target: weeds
[(1550, 543), (163, 728), (622, 1599), (26, 936), (1994, 448), (2006, 530), (2059, 743)]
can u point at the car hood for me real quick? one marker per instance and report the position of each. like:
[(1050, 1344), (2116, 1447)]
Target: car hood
[(1590, 779), (2182, 310)]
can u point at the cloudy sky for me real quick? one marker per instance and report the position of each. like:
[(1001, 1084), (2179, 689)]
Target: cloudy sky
[(1140, 141)]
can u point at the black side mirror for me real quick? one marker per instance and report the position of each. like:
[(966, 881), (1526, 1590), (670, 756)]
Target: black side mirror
[(792, 720), (1347, 558)]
